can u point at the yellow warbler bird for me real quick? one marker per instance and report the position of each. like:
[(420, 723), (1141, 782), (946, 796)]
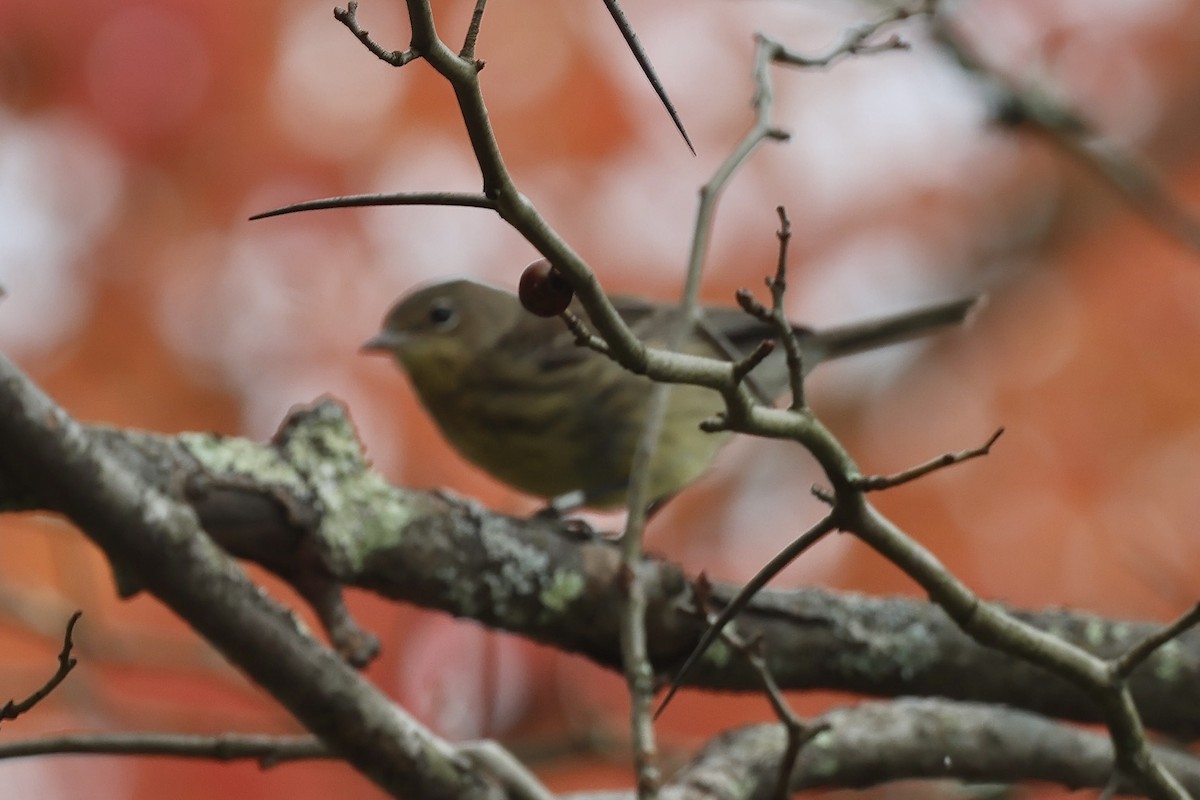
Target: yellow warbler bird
[(515, 395)]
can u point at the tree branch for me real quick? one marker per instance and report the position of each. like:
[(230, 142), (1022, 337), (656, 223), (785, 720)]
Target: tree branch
[(344, 525), (159, 542)]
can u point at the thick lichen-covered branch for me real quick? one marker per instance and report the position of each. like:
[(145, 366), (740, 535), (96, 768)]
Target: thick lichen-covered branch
[(308, 507)]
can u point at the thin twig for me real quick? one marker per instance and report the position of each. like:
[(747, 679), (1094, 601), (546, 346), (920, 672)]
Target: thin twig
[(348, 16), (66, 663), (772, 568), (468, 48), (775, 315), (638, 672), (583, 335), (635, 654), (787, 334), (856, 41), (767, 51), (1124, 665), (874, 483), (267, 750), (635, 657), (798, 732), (743, 366), (688, 317)]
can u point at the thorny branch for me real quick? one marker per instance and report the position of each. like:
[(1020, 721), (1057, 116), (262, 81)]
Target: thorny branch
[(163, 521), (851, 511)]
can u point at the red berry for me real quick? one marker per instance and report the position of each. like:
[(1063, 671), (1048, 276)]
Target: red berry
[(543, 290)]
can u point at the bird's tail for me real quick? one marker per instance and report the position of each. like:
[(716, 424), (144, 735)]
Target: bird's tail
[(847, 340)]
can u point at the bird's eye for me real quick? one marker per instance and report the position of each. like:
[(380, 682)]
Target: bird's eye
[(442, 314)]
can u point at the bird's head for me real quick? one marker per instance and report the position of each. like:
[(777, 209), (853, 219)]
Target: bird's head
[(436, 332)]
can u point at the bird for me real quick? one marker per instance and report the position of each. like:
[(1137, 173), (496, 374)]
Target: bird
[(518, 397)]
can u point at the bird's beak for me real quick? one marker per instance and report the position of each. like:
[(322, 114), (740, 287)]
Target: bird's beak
[(382, 342)]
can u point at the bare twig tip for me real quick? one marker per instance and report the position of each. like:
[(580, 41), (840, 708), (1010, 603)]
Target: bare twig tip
[(871, 483), (750, 305)]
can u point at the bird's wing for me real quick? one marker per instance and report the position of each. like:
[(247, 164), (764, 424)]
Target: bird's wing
[(543, 344)]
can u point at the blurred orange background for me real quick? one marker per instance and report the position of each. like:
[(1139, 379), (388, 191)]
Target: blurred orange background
[(137, 137)]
